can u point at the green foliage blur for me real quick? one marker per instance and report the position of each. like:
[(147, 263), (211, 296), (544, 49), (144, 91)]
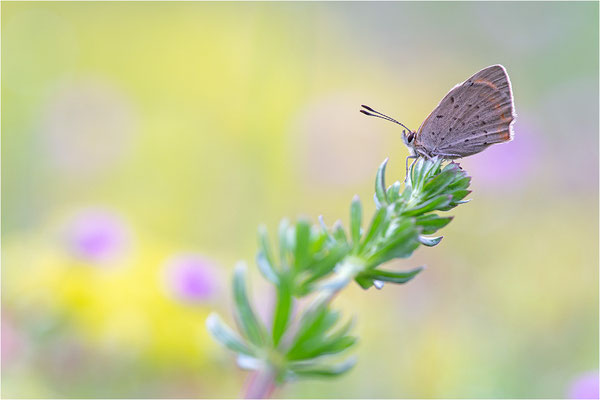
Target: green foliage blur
[(143, 143)]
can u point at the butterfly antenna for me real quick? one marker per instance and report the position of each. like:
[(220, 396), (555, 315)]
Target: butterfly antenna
[(377, 114)]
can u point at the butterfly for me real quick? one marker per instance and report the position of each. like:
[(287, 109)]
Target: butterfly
[(473, 115)]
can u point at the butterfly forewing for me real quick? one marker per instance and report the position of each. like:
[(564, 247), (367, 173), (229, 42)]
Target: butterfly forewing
[(473, 115)]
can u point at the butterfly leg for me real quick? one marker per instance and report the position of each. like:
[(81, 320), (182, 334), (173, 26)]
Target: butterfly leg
[(415, 159)]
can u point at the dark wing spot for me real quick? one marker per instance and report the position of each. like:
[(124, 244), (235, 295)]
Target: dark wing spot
[(463, 123), (454, 118), (439, 116), (483, 122), (456, 106), (469, 105), (442, 138), (477, 116), (451, 99), (450, 130), (477, 107), (484, 131), (485, 142), (466, 140)]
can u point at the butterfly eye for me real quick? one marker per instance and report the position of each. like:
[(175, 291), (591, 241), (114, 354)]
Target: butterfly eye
[(410, 137)]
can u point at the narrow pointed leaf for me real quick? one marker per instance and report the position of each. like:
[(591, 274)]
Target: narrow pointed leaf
[(430, 242), (266, 268), (338, 232), (283, 242), (301, 254), (264, 246), (432, 223), (249, 323), (375, 228), (226, 336), (391, 276), (380, 184), (355, 221), (283, 309), (324, 266), (437, 203), (461, 183), (439, 183), (324, 227), (323, 370), (364, 282), (393, 192)]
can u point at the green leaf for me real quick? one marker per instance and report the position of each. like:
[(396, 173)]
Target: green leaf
[(333, 343), (439, 183), (283, 309), (323, 266), (355, 221), (380, 184), (391, 276), (264, 246), (364, 282), (457, 196), (264, 258), (301, 254), (420, 170), (317, 240), (266, 268), (318, 348), (434, 204), (324, 227), (376, 227), (393, 192), (461, 183), (317, 369), (453, 167), (283, 242), (430, 242), (338, 232), (226, 336), (432, 223), (249, 323), (399, 245), (313, 324)]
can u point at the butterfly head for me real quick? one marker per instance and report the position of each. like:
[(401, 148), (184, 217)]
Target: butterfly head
[(408, 139)]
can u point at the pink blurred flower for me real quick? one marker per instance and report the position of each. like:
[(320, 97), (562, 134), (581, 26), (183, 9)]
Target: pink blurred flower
[(507, 164), (191, 277), (98, 235), (12, 343), (585, 386)]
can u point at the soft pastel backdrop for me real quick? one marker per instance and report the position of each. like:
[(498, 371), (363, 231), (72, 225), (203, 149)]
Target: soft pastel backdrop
[(143, 143)]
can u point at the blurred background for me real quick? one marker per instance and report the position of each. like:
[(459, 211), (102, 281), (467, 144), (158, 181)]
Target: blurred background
[(143, 143)]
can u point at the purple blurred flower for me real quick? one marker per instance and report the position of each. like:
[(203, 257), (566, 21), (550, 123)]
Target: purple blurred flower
[(585, 386), (191, 277), (504, 165), (98, 235)]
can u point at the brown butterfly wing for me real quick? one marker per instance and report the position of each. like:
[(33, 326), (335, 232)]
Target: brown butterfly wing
[(472, 116)]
